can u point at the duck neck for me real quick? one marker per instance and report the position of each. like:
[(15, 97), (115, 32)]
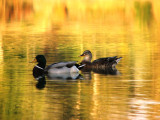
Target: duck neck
[(41, 65), (87, 58)]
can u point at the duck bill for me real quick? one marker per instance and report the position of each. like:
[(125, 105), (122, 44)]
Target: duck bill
[(34, 61), (82, 55)]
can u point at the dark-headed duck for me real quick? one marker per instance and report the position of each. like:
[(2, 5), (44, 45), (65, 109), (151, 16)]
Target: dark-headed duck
[(60, 67)]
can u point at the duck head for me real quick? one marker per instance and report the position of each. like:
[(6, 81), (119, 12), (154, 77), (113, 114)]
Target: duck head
[(41, 61), (87, 56)]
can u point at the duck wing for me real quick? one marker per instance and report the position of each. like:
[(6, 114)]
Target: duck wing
[(105, 62), (61, 65)]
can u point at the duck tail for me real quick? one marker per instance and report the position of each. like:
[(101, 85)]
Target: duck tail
[(118, 59)]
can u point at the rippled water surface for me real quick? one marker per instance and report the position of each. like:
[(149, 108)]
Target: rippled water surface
[(62, 31)]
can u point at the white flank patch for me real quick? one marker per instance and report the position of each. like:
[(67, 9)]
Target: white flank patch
[(64, 70), (74, 69)]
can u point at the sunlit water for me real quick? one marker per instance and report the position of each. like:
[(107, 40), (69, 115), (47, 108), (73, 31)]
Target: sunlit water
[(132, 93)]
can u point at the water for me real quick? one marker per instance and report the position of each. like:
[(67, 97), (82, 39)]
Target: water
[(130, 94)]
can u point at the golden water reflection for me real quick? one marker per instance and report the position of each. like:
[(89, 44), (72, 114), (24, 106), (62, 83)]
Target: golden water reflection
[(62, 30)]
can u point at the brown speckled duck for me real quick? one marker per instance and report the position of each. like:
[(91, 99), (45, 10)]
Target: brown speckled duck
[(101, 63)]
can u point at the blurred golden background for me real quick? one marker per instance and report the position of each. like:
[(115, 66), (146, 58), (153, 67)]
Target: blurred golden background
[(44, 13), (62, 30)]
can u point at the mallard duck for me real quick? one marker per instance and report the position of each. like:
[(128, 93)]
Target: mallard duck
[(60, 67), (100, 63)]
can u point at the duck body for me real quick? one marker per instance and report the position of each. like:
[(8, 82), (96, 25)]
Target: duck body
[(38, 71), (101, 63), (62, 67), (57, 68), (105, 62), (63, 76)]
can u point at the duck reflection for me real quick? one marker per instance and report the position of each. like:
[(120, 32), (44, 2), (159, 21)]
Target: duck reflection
[(106, 71), (41, 82), (87, 75)]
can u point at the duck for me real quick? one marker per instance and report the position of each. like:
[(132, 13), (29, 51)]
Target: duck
[(101, 63), (55, 68)]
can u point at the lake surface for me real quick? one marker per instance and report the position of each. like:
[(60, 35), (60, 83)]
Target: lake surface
[(62, 31)]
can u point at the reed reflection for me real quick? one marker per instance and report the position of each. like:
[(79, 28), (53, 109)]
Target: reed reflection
[(16, 10), (144, 12)]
